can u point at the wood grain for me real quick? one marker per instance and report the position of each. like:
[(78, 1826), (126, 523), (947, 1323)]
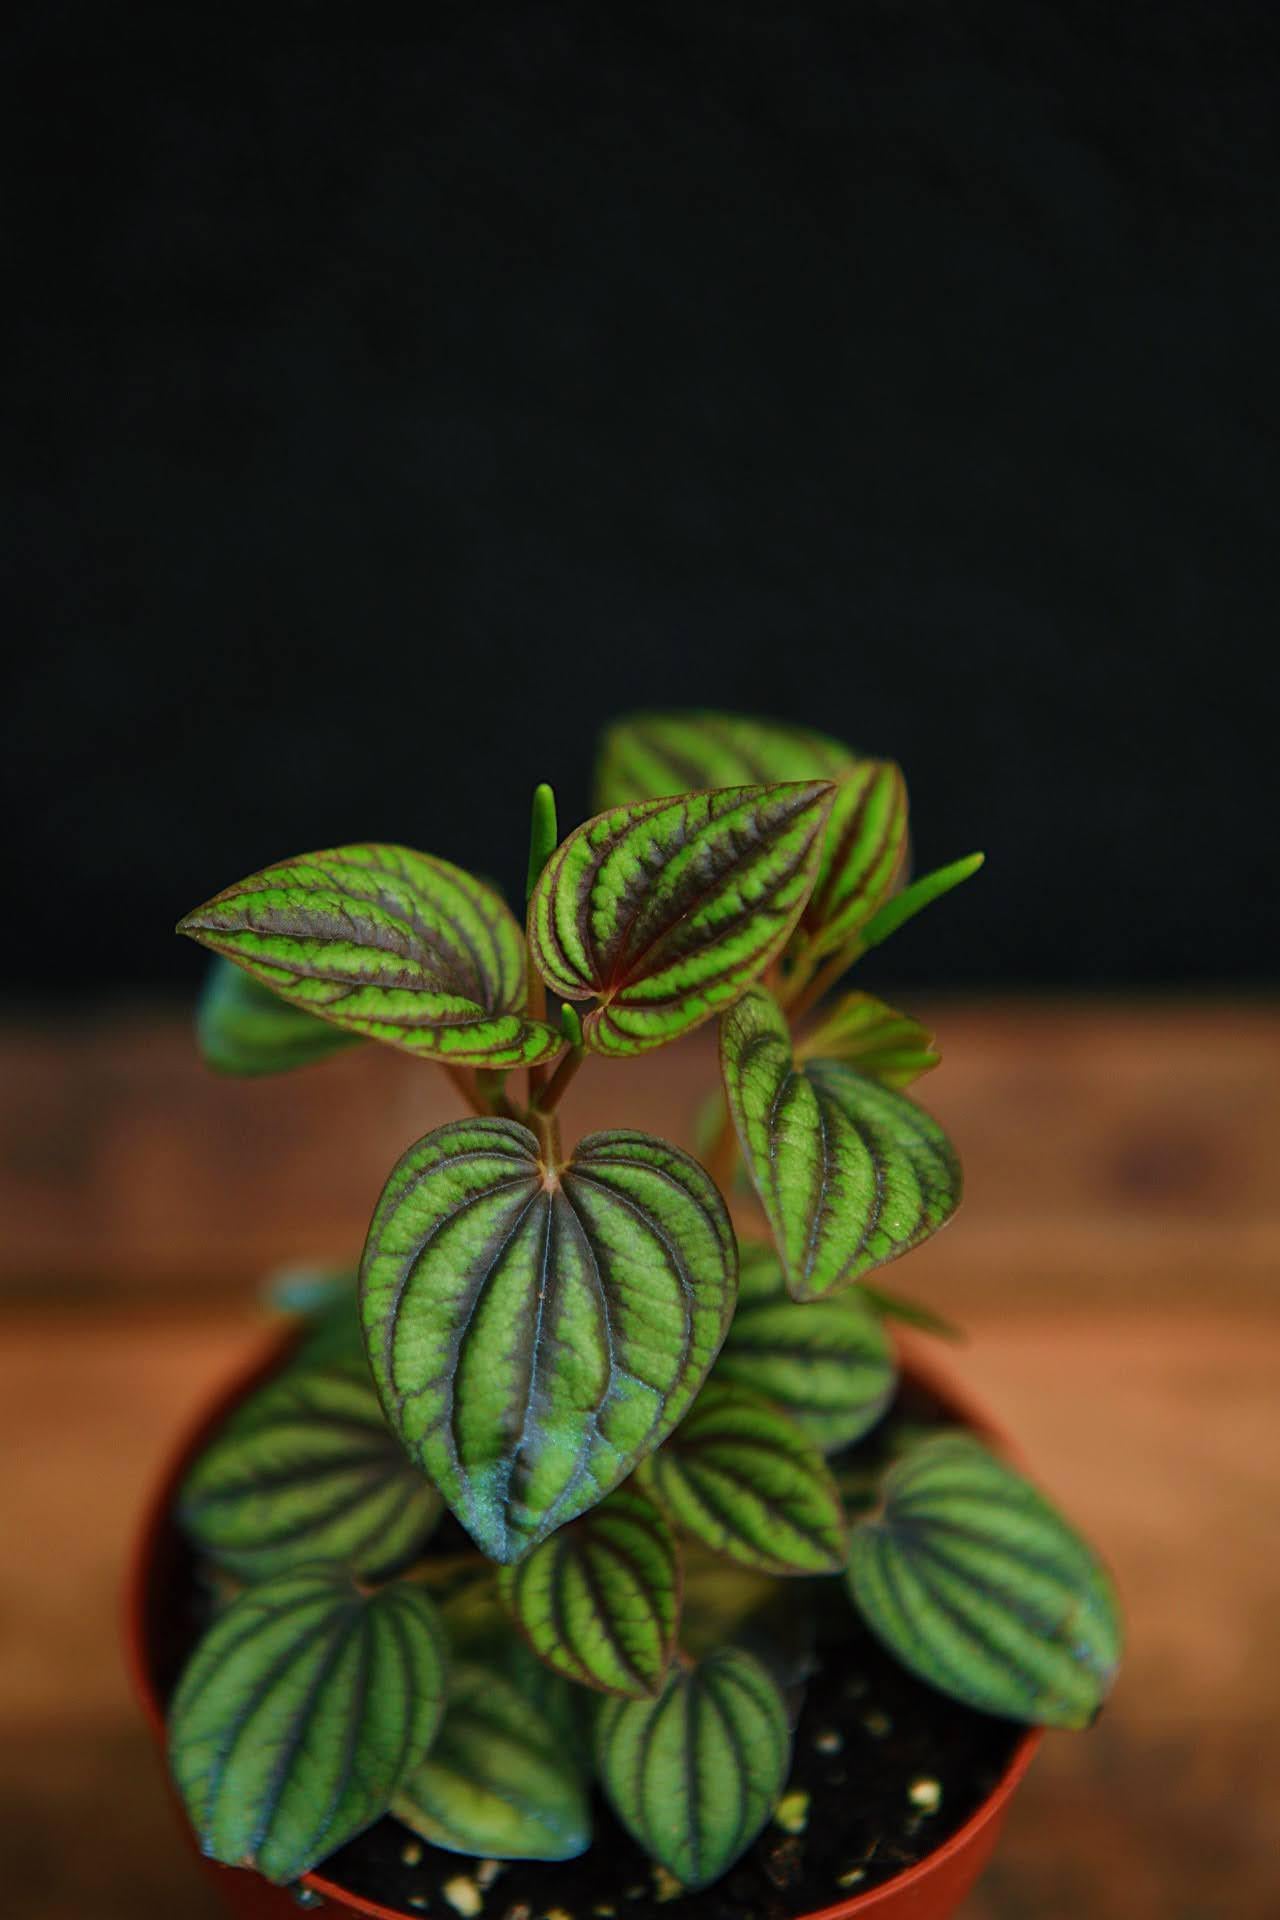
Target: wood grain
[(1114, 1263)]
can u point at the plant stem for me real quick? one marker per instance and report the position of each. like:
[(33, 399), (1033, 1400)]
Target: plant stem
[(825, 978), (537, 1002), (550, 1096)]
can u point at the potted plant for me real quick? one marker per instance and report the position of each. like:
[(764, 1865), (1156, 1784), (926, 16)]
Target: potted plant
[(585, 1554)]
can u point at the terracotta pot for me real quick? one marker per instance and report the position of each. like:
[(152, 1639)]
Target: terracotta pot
[(931, 1890)]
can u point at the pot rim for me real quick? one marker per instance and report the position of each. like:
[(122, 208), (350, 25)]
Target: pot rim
[(157, 1518)]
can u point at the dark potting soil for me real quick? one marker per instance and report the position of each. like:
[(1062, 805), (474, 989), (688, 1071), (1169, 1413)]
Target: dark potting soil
[(884, 1771)]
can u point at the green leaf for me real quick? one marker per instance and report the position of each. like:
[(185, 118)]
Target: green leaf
[(865, 848), (600, 1600), (500, 1780), (694, 1775), (850, 1173), (650, 756), (828, 1364), (386, 944), (543, 834), (244, 1028), (746, 1481), (973, 1580), (862, 1032), (299, 1715), (307, 1469), (913, 899), (665, 910), (911, 1313), (535, 1331)]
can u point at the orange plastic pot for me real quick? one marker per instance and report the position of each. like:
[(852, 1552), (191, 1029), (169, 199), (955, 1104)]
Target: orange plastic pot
[(930, 1890)]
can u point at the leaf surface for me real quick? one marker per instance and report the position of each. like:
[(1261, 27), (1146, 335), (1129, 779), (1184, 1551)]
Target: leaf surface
[(745, 1480), (865, 847), (301, 1712), (862, 1032), (307, 1470), (500, 1780), (664, 911), (979, 1586), (694, 1775), (244, 1028), (600, 1600), (828, 1363), (850, 1173), (386, 944), (534, 1332), (650, 756)]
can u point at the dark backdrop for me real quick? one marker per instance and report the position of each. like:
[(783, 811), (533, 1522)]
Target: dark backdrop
[(399, 391)]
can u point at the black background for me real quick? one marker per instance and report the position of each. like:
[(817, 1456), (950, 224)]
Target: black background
[(398, 392)]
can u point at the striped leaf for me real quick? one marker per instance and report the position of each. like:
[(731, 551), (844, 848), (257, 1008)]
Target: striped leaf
[(301, 1712), (385, 944), (740, 1476), (850, 1173), (862, 1032), (650, 756), (865, 848), (244, 1028), (500, 1780), (694, 1775), (665, 910), (829, 1364), (306, 1470), (978, 1586), (534, 1331), (600, 1600)]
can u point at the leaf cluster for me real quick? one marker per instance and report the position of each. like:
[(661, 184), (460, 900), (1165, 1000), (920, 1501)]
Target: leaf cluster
[(516, 1514)]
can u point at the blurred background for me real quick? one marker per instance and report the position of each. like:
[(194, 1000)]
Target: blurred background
[(394, 398)]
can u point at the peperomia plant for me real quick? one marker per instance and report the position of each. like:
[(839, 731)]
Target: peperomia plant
[(512, 1515)]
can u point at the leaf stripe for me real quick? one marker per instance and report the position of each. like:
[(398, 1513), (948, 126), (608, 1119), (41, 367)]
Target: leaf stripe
[(588, 1302), (720, 1725), (743, 1478), (1005, 1608), (288, 1482), (297, 1713), (385, 944), (663, 911), (851, 1174)]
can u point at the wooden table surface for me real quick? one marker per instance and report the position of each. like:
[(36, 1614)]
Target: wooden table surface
[(1114, 1264)]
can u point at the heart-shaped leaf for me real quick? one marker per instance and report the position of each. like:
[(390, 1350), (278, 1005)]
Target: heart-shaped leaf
[(862, 857), (387, 944), (534, 1331), (694, 1775), (302, 1711), (828, 1364), (862, 1032), (307, 1470), (974, 1581), (500, 1780), (746, 1481), (665, 910), (650, 756), (244, 1028), (850, 1173), (600, 1600)]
